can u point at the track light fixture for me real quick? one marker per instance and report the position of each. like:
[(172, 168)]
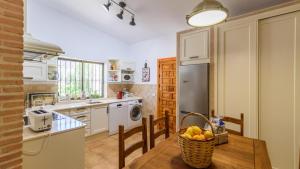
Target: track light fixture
[(132, 22), (121, 5), (107, 5), (120, 15)]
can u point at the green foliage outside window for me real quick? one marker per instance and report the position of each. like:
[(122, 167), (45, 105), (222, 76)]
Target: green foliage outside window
[(76, 77)]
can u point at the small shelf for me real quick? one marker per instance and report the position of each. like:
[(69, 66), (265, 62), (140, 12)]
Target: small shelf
[(113, 70), (113, 82)]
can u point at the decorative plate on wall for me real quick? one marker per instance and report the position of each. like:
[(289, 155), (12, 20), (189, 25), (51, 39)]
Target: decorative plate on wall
[(146, 73)]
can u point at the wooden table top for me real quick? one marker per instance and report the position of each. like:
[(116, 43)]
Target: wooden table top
[(239, 153)]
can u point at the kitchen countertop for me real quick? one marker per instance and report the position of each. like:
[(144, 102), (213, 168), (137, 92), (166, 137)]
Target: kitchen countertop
[(82, 103), (60, 124), (64, 123)]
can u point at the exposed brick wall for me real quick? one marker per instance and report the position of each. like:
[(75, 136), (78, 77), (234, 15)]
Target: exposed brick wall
[(11, 83)]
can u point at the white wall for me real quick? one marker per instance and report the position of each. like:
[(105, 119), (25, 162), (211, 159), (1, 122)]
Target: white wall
[(81, 41), (76, 39), (151, 50)]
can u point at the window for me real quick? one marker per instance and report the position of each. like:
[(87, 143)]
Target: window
[(78, 76)]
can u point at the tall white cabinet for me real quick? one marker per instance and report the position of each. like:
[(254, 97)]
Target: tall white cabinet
[(236, 74), (279, 87), (258, 74)]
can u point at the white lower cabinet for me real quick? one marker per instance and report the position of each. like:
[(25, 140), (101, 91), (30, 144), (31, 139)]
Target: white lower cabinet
[(61, 151), (94, 117), (99, 119)]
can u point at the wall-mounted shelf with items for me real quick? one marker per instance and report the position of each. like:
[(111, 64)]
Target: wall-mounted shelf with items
[(114, 71), (120, 71)]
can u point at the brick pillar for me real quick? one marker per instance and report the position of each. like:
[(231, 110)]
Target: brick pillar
[(11, 83)]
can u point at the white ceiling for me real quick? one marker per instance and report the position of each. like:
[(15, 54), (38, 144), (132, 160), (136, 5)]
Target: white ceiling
[(153, 17)]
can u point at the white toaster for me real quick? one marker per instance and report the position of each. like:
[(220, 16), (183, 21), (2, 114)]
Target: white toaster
[(40, 120)]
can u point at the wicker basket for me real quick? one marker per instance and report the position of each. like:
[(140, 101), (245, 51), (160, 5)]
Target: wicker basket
[(197, 154)]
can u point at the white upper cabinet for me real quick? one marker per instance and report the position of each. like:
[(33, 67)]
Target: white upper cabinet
[(36, 71), (40, 71), (194, 46)]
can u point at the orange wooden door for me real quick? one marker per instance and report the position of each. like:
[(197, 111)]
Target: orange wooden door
[(166, 89)]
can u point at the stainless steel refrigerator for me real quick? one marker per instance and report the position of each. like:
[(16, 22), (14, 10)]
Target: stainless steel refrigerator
[(194, 92)]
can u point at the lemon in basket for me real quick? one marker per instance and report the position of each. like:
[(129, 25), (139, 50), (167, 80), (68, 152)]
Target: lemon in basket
[(186, 135), (190, 131), (196, 130), (199, 137), (208, 134)]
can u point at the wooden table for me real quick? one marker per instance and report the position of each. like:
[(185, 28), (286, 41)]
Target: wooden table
[(239, 153)]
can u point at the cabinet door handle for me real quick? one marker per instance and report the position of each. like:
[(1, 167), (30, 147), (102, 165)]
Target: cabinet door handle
[(194, 57)]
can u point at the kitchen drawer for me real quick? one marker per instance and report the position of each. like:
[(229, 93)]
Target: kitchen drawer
[(83, 117), (79, 111)]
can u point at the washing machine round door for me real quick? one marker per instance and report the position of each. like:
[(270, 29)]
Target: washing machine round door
[(136, 113)]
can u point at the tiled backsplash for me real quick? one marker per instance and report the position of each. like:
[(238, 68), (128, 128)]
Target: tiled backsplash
[(146, 91), (112, 89), (40, 88)]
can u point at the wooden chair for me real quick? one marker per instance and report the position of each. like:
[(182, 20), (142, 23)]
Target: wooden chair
[(165, 130), (123, 153), (234, 121)]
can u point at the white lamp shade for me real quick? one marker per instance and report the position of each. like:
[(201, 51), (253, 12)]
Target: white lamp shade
[(207, 18), (207, 13)]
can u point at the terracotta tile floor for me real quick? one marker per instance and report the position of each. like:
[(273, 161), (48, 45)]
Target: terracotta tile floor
[(101, 151)]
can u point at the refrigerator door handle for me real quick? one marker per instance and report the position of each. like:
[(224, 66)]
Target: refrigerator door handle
[(184, 112)]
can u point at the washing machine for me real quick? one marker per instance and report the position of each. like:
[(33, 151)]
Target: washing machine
[(134, 113)]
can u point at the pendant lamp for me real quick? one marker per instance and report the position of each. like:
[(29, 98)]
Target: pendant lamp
[(207, 13)]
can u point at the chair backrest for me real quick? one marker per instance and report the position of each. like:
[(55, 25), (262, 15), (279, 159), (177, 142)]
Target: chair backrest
[(123, 153), (165, 130), (239, 122)]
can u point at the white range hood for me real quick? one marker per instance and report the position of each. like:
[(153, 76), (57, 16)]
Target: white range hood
[(38, 47)]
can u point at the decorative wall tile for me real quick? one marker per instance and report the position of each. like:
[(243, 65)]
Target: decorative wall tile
[(146, 91)]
